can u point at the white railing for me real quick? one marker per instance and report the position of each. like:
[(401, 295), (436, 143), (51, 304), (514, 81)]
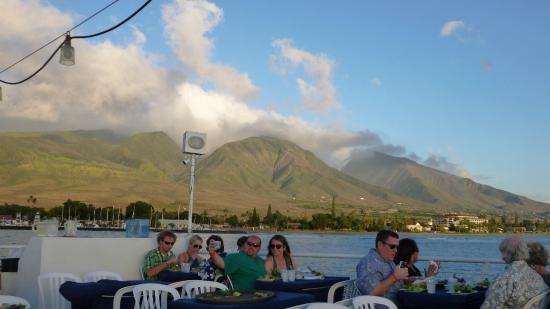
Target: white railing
[(422, 258)]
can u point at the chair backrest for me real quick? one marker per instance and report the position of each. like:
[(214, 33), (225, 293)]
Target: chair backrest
[(197, 287), (95, 276), (14, 300), (119, 293), (181, 284), (325, 306), (345, 302), (150, 295), (48, 289), (368, 302), (537, 301), (350, 290)]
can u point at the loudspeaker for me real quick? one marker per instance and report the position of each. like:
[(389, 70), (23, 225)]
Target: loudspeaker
[(194, 143)]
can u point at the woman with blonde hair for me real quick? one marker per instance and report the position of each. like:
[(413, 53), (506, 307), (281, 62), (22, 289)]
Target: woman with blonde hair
[(192, 256)]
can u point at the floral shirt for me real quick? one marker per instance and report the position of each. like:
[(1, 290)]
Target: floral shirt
[(371, 270), (514, 287)]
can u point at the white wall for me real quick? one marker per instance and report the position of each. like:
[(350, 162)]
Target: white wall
[(81, 255)]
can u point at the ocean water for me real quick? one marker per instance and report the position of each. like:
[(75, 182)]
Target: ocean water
[(453, 246)]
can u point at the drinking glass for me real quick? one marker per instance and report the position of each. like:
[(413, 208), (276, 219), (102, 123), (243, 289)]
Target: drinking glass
[(284, 275), (291, 275), (185, 267)]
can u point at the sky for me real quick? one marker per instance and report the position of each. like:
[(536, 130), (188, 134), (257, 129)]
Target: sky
[(460, 86)]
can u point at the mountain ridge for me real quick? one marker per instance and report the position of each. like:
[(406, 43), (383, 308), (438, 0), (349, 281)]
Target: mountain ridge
[(107, 168)]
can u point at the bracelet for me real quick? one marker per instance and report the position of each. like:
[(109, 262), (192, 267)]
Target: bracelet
[(394, 277)]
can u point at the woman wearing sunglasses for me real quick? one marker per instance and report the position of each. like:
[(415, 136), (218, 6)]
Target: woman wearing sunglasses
[(192, 256), (278, 256)]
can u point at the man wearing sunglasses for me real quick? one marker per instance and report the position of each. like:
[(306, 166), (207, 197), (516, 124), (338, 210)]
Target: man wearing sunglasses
[(161, 258), (244, 267), (377, 274)]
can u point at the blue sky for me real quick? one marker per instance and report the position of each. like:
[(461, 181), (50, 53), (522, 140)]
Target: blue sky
[(462, 83)]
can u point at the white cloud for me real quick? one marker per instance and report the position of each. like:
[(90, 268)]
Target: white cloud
[(376, 82), (450, 27), (318, 92), (187, 24), (121, 87)]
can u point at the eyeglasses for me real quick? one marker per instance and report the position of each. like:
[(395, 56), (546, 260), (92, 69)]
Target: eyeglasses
[(253, 245), (168, 243), (197, 246), (391, 246), (278, 246)]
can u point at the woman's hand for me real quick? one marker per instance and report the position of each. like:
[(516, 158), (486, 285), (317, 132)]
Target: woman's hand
[(433, 269)]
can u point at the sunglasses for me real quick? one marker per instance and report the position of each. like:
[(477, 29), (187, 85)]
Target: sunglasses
[(278, 246), (253, 245), (197, 246), (392, 247), (168, 243)]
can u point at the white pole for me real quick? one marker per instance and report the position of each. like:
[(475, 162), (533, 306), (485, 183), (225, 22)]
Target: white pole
[(191, 185), (179, 223)]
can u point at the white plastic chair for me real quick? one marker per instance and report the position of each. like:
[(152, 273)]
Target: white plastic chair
[(537, 300), (318, 305), (368, 302), (348, 303), (95, 276), (117, 299), (150, 295), (197, 287), (325, 306), (14, 300), (182, 284), (350, 290), (48, 289)]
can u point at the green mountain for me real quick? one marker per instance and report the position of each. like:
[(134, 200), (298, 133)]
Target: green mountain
[(104, 168), (97, 167), (441, 190), (269, 170)]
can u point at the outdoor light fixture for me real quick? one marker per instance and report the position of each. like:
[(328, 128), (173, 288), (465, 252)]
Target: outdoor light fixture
[(66, 55)]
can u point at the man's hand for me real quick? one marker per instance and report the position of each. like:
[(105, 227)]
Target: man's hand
[(172, 261), (401, 273)]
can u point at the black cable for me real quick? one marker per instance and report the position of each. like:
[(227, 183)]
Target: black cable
[(50, 42), (75, 37), (39, 69), (115, 26)]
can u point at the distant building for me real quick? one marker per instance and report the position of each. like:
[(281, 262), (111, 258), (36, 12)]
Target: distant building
[(454, 219), (418, 227)]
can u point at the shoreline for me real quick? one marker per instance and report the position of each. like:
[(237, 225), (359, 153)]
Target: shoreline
[(268, 231)]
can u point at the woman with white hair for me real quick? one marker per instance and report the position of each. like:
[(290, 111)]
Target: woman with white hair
[(518, 283)]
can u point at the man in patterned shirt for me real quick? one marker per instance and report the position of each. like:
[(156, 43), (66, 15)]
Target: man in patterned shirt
[(376, 272), (161, 258)]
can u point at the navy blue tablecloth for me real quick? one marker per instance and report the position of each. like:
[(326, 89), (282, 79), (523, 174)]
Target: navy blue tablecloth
[(96, 295), (441, 299), (175, 276), (318, 288), (280, 300)]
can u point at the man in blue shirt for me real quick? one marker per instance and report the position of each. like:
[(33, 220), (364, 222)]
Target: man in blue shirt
[(376, 272)]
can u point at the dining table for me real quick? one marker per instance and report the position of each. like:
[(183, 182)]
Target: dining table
[(98, 295), (317, 287), (279, 300), (440, 299)]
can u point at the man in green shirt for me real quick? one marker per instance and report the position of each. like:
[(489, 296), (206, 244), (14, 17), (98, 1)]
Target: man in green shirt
[(161, 258), (243, 267)]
